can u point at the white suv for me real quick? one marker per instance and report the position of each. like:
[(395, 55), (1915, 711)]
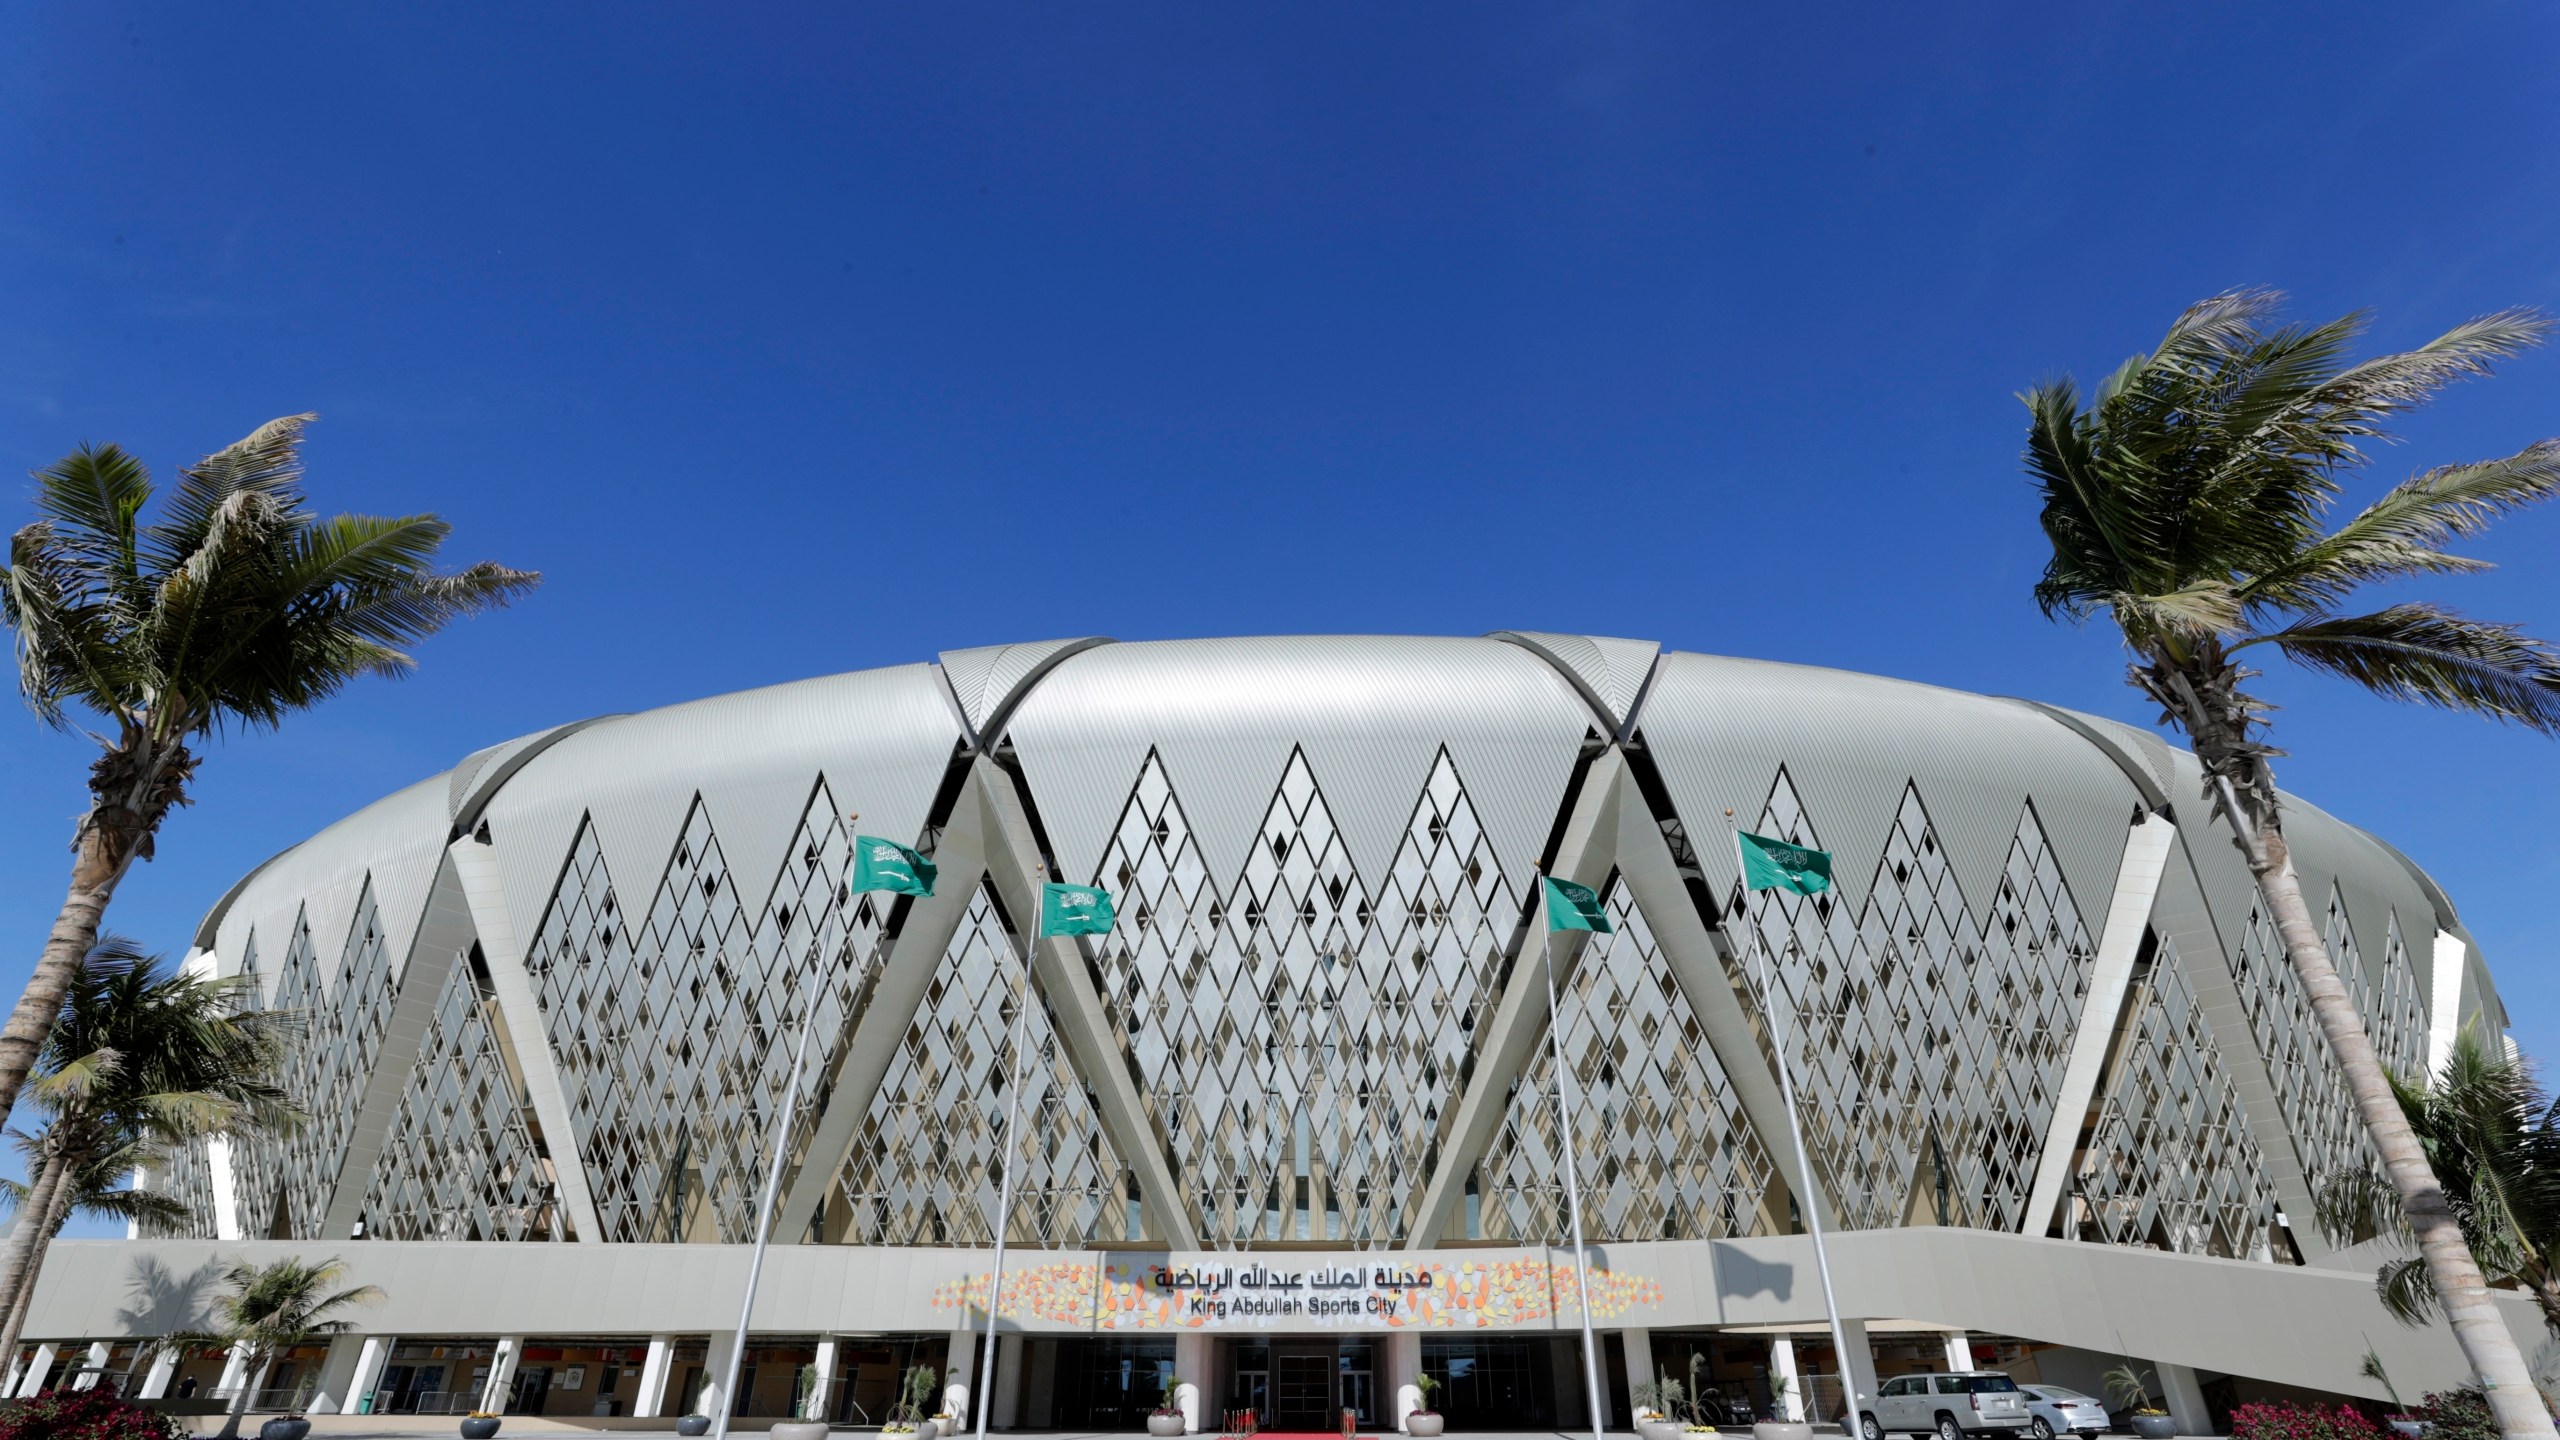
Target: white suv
[(1952, 1405)]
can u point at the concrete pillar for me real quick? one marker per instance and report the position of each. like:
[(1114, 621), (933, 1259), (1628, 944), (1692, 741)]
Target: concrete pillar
[(164, 1368), (1013, 1354), (1959, 1351), (1194, 1355), (1857, 1373), (371, 1357), (1404, 1372), (959, 1376), (93, 1365), (231, 1379), (2183, 1397), (17, 1366), (335, 1394), (1783, 1378), (649, 1403), (502, 1374), (42, 1364), (714, 1398), (1639, 1348), (823, 1384)]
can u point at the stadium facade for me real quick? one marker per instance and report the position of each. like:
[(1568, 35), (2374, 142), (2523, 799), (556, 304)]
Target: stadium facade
[(1289, 1130)]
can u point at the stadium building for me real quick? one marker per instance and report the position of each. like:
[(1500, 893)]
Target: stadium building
[(1289, 1132)]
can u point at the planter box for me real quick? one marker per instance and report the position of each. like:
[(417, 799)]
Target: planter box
[(285, 1427), (1167, 1425), (1782, 1430), (798, 1430), (479, 1429), (1423, 1425), (693, 1424), (2154, 1427)]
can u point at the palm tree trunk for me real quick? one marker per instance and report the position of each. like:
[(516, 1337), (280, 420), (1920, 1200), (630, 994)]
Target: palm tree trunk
[(239, 1404), (24, 1238), (2483, 1335), (131, 790), (57, 1210)]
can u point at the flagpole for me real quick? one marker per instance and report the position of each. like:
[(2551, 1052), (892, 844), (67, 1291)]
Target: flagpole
[(764, 1213), (1572, 1179), (1812, 1203), (1004, 1179)]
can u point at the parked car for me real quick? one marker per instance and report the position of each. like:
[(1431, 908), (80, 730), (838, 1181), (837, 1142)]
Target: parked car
[(2053, 1410), (1950, 1405)]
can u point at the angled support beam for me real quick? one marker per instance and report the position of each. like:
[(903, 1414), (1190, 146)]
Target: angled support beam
[(1586, 854), (1066, 980), (881, 1015), (485, 895), (2146, 855), (443, 936), (1698, 958)]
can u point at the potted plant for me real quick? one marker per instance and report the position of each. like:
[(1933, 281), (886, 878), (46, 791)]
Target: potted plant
[(479, 1425), (2131, 1388), (907, 1417), (1782, 1389), (1167, 1418), (1698, 1424), (693, 1424), (810, 1422), (1425, 1421), (293, 1424), (1656, 1402)]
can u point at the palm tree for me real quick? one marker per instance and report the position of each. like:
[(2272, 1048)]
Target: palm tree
[(2189, 502), (142, 1057), (97, 1189), (270, 1309), (2494, 1140), (236, 605)]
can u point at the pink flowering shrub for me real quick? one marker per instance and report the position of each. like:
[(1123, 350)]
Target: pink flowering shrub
[(2286, 1420)]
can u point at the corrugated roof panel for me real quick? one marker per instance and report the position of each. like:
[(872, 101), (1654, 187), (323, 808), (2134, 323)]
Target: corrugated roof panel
[(1610, 670), (882, 738), (1719, 729), (983, 679), (398, 840), (1371, 713)]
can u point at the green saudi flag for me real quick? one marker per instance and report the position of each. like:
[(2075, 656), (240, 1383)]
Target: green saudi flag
[(887, 865), (1776, 865), (1574, 907), (1074, 910)]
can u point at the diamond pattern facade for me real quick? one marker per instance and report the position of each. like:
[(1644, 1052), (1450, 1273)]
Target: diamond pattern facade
[(2398, 1017), (2171, 1162), (343, 1009), (1301, 1031), (2318, 1112), (460, 1163), (926, 1164), (1929, 1046), (674, 1029), (1663, 1149)]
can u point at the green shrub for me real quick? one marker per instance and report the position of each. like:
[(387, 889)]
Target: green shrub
[(2286, 1420), (2461, 1414)]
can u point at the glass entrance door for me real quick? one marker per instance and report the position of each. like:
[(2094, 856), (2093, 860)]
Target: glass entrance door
[(1302, 1393)]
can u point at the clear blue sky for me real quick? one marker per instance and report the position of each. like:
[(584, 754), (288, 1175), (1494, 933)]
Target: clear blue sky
[(791, 338)]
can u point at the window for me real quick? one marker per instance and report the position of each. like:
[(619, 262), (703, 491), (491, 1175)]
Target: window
[(1950, 1385), (1989, 1384)]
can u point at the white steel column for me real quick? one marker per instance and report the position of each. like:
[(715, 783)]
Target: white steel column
[(1784, 1378), (715, 1363), (650, 1402), (1959, 1351), (1404, 1371), (824, 1382), (1638, 1345), (93, 1365), (959, 1374), (370, 1360), (155, 1381), (38, 1367), (1193, 1354), (2146, 854), (485, 892), (335, 1391), (233, 1376), (502, 1374), (2185, 1399), (2444, 1000)]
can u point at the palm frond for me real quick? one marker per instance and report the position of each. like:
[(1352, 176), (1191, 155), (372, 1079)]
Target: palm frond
[(267, 462), (92, 498), (2430, 655), (2404, 532), (2405, 1290)]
